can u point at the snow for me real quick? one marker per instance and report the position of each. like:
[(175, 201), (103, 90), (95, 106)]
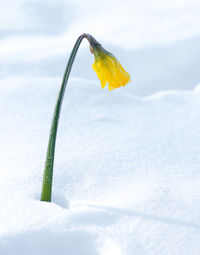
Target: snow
[(126, 173), (126, 177)]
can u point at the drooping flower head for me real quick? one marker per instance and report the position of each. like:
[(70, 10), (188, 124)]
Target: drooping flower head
[(107, 67)]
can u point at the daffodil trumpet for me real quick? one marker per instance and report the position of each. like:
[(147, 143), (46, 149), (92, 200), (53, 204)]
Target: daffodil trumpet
[(107, 67), (109, 71)]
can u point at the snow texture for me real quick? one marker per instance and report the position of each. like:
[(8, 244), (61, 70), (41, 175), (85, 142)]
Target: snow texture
[(126, 173)]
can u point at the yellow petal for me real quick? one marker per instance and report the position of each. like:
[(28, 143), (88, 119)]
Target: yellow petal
[(109, 70)]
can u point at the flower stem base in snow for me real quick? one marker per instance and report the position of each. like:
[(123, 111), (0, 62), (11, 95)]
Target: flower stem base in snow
[(48, 171)]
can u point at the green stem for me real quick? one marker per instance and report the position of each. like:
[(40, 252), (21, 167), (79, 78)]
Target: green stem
[(48, 171)]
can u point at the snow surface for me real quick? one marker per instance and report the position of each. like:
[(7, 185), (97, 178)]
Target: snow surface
[(126, 177), (126, 174)]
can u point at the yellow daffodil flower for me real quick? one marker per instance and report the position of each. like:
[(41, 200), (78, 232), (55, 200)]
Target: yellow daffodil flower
[(109, 69)]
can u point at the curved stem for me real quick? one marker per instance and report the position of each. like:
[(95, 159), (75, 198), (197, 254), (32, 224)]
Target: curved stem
[(48, 171)]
